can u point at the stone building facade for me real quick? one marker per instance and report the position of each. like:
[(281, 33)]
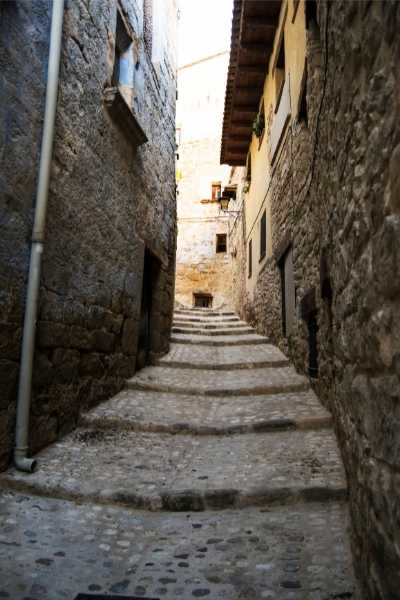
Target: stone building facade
[(328, 289), (108, 270), (203, 260)]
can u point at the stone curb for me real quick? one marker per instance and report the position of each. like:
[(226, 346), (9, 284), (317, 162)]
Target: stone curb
[(262, 426), (187, 499), (255, 391), (221, 367)]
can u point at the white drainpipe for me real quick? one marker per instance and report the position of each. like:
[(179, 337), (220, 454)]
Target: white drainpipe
[(21, 459)]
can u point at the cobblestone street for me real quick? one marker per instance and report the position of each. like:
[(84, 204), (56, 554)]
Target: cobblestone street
[(214, 473)]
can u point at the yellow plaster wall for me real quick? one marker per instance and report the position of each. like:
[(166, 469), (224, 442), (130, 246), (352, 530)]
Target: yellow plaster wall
[(256, 200)]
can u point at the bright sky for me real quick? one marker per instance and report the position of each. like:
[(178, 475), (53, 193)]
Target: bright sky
[(204, 28)]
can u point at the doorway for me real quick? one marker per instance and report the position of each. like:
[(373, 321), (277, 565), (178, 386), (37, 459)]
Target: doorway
[(202, 300), (151, 273), (288, 291)]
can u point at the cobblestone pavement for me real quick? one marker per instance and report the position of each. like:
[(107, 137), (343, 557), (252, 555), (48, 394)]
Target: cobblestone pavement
[(52, 549), (232, 457)]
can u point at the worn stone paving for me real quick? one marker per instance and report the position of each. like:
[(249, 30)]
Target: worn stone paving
[(211, 382), (136, 410), (162, 471), (220, 340), (223, 357), (238, 471), (53, 550)]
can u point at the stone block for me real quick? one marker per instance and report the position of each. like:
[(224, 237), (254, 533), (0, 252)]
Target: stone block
[(129, 336)]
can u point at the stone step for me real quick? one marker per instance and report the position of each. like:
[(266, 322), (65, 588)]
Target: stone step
[(204, 325), (204, 312), (183, 473), (191, 319), (214, 332), (221, 340), (219, 383), (170, 413), (222, 358)]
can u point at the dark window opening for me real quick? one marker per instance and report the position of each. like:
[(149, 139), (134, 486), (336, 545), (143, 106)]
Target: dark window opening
[(288, 292), (248, 168), (202, 300), (221, 243), (311, 13), (148, 25), (280, 71), (312, 325), (263, 235), (250, 265), (302, 112), (216, 191)]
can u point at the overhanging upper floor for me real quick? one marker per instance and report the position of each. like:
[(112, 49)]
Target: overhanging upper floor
[(254, 25)]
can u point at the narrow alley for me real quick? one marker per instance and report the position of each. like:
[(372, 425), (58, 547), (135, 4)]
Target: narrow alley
[(199, 299), (223, 433)]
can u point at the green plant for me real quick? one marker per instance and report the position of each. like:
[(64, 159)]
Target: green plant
[(246, 187), (259, 125)]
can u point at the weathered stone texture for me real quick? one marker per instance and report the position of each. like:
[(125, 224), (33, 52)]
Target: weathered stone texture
[(335, 193), (108, 200)]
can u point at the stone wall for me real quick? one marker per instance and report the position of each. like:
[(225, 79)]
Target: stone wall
[(334, 196), (108, 201)]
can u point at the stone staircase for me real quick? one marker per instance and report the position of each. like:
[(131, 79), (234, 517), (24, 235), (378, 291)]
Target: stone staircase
[(251, 430), (232, 457)]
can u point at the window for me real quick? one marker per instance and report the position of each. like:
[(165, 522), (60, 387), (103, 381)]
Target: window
[(221, 243), (250, 262), (122, 44), (311, 14), (216, 190), (263, 235), (280, 71), (302, 113), (288, 291), (248, 174)]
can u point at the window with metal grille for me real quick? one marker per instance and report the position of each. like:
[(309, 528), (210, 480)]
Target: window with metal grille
[(250, 260), (263, 235), (221, 243)]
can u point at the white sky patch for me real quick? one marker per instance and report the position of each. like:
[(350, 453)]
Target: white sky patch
[(204, 28)]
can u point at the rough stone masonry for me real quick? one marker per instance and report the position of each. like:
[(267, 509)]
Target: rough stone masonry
[(109, 200), (335, 198)]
